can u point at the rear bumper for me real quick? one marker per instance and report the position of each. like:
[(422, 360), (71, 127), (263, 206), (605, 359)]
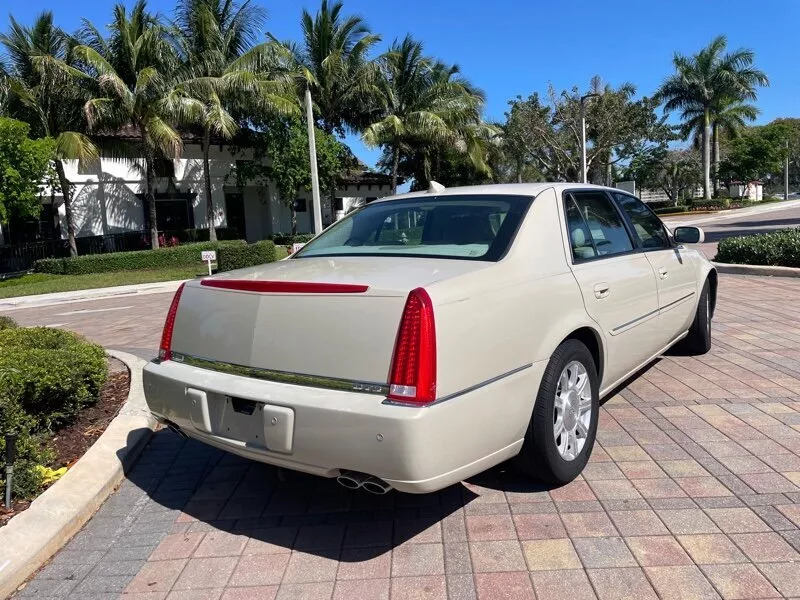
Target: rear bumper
[(324, 432)]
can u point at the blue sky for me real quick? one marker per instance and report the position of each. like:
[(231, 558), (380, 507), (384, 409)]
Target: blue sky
[(511, 47)]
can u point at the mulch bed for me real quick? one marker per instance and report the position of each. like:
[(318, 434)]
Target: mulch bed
[(72, 441)]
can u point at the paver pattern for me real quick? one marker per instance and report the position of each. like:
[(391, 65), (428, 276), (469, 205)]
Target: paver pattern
[(693, 491)]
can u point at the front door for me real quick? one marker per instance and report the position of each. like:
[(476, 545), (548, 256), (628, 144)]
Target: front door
[(616, 280), (677, 285), (234, 213)]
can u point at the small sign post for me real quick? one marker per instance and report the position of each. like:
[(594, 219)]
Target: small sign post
[(296, 246), (209, 256)]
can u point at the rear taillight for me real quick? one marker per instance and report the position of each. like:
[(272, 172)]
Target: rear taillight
[(165, 349), (413, 374)]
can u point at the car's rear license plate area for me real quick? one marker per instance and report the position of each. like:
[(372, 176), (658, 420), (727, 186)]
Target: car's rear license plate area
[(252, 423)]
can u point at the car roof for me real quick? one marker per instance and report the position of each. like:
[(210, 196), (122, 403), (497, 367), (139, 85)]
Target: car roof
[(500, 189)]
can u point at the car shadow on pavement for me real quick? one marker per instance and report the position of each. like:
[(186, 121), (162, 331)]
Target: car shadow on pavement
[(192, 487)]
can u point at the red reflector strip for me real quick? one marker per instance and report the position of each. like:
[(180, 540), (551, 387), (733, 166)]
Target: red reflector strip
[(284, 287)]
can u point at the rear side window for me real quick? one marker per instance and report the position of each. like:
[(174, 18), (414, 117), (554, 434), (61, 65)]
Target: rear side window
[(595, 227), (646, 225), (465, 227)]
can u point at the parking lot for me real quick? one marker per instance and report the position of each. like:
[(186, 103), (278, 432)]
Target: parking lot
[(693, 491)]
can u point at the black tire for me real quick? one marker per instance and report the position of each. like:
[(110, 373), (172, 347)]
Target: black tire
[(698, 341), (540, 456)]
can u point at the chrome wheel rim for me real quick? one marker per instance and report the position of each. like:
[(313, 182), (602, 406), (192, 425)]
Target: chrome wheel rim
[(573, 410)]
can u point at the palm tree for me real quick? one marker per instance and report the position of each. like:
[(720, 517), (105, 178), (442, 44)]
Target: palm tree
[(223, 72), (42, 90), (425, 102), (334, 60), (729, 117), (702, 80), (134, 69)]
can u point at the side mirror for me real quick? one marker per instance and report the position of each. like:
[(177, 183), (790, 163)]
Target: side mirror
[(688, 235)]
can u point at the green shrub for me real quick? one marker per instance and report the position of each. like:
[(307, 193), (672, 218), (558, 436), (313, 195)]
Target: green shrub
[(176, 256), (778, 248), (670, 210), (287, 239), (7, 323), (50, 373), (31, 450), (230, 258)]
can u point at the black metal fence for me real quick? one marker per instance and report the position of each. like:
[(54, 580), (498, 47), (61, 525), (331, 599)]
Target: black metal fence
[(21, 257)]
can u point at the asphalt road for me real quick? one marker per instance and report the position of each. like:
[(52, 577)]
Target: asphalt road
[(748, 221)]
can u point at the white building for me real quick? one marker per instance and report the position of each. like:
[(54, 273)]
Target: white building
[(108, 198)]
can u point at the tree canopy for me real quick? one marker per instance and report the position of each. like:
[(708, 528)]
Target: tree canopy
[(24, 165)]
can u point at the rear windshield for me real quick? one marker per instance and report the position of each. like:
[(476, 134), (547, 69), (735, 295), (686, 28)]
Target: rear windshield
[(461, 227)]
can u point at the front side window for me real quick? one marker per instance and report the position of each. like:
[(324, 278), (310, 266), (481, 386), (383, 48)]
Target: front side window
[(595, 227), (646, 225), (465, 227)]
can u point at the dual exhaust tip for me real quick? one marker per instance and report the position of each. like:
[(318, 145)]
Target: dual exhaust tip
[(354, 480)]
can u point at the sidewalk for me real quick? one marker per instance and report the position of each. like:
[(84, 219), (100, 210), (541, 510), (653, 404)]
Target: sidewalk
[(85, 295)]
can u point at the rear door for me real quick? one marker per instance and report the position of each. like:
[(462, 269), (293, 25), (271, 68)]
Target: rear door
[(615, 278), (677, 285)]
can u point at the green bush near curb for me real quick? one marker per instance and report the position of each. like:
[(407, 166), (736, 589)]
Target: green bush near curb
[(230, 258), (31, 447), (777, 248), (7, 323), (185, 255), (52, 374)]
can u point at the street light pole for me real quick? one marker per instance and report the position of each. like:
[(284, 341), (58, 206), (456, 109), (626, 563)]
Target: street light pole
[(584, 175), (312, 155)]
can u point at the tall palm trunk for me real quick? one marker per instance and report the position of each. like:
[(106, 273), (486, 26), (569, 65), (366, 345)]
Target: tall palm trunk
[(706, 155), (66, 192), (395, 164), (715, 157), (212, 232), (150, 193)]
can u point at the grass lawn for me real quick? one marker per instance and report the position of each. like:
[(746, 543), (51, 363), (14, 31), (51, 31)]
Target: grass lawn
[(45, 283)]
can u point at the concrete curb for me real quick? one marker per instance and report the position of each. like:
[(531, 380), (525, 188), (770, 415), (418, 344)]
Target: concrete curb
[(760, 270), (31, 538), (39, 300)]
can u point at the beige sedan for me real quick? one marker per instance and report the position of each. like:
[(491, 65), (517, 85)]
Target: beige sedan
[(427, 337)]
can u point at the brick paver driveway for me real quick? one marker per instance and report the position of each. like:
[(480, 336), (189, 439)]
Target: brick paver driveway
[(693, 491)]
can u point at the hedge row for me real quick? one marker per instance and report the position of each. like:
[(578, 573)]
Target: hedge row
[(176, 256), (287, 239), (46, 377), (230, 258), (777, 248)]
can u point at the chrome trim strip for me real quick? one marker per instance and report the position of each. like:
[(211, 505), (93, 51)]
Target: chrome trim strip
[(652, 312), (678, 301), (636, 320), (472, 388), (316, 381)]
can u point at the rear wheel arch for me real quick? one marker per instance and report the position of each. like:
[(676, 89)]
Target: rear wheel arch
[(591, 339)]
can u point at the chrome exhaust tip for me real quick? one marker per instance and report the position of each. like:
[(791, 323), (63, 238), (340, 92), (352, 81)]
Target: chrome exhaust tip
[(352, 480), (373, 485)]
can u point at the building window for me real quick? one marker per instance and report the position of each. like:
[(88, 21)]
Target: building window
[(299, 205), (338, 203)]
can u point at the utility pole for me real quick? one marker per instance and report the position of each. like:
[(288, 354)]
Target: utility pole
[(584, 175), (312, 154)]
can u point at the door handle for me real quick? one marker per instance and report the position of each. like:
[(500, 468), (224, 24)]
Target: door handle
[(601, 290), (663, 273)]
